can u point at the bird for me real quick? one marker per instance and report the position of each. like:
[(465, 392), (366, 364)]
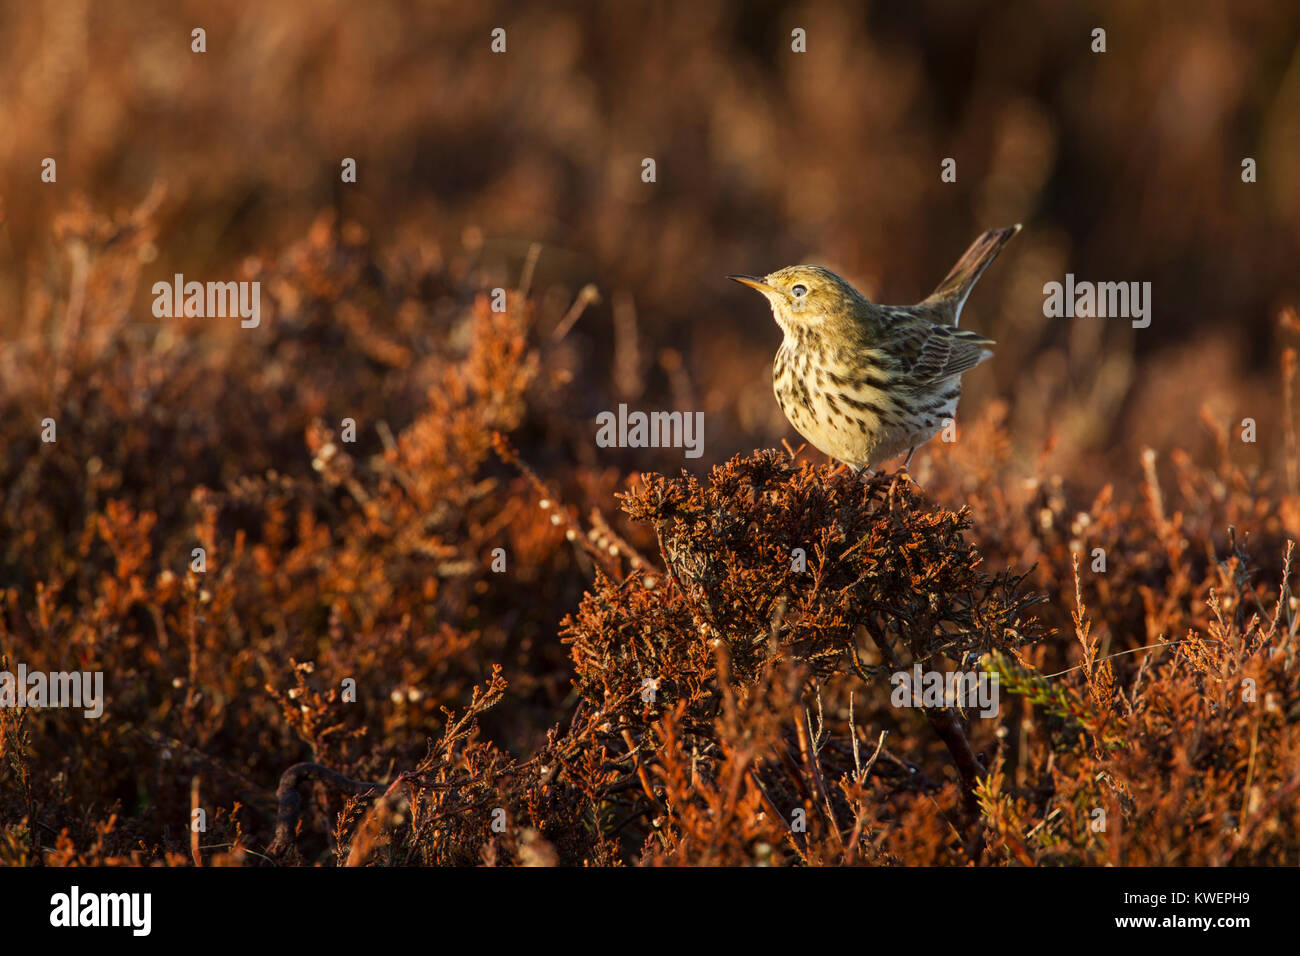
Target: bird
[(864, 382)]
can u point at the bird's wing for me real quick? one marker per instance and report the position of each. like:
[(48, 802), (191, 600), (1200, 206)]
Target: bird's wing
[(927, 353)]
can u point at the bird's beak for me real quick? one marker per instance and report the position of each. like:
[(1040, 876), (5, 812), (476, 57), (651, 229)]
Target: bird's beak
[(754, 282)]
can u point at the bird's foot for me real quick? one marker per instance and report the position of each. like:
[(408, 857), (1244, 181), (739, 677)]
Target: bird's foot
[(905, 476)]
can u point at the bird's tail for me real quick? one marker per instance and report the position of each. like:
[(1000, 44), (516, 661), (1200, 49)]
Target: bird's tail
[(953, 290)]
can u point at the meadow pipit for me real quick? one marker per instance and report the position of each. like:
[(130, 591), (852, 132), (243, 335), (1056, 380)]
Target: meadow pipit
[(866, 382)]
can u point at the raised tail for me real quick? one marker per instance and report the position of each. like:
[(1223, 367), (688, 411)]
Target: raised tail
[(953, 290)]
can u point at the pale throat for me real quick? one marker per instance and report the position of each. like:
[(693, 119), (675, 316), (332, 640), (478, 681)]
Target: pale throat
[(796, 327)]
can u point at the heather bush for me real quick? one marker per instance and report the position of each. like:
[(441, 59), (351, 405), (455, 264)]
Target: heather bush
[(669, 668)]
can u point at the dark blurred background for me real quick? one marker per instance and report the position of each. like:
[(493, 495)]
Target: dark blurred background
[(1123, 166)]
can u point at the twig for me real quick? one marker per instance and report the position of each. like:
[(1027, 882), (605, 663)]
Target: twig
[(530, 265), (641, 774), (588, 296), (373, 823), (1132, 650), (194, 833), (803, 729)]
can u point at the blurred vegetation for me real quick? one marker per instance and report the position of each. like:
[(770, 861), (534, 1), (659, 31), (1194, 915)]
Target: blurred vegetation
[(521, 691), (1124, 166)]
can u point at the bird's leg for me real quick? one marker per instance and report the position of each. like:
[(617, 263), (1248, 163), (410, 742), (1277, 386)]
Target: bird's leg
[(906, 472)]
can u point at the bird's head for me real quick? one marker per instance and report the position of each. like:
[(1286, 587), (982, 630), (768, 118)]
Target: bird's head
[(805, 296)]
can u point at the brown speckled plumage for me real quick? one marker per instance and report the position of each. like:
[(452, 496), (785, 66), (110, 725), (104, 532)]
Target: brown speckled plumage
[(864, 382)]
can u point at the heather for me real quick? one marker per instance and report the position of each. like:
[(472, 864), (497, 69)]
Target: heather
[(365, 589)]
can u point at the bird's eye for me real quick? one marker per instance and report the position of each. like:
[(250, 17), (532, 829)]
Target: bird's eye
[(799, 290)]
